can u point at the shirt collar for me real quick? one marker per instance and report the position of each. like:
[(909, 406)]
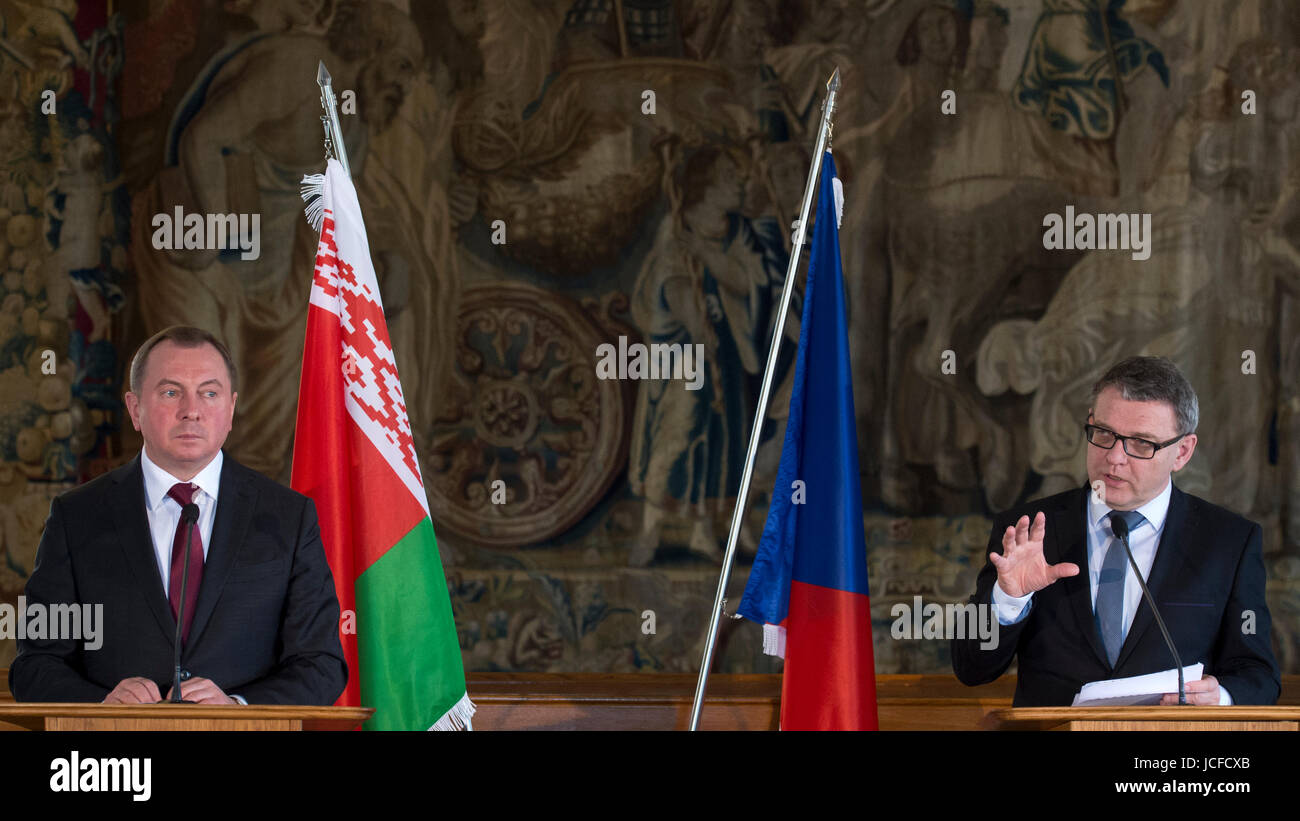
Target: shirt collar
[(1153, 511), (158, 481)]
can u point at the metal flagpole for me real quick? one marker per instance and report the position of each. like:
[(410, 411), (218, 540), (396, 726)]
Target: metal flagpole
[(742, 497), (333, 133)]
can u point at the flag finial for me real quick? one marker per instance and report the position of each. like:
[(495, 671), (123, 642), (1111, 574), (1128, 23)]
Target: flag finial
[(330, 119)]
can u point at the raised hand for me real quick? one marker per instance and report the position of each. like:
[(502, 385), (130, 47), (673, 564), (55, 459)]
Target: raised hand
[(1021, 566)]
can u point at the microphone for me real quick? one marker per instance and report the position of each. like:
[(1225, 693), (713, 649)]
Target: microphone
[(189, 516), (1120, 528)]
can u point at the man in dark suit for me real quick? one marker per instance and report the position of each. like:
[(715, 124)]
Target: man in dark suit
[(261, 616), (1203, 565)]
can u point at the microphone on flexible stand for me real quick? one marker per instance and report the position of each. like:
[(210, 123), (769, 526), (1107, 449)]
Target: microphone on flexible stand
[(1120, 528), (189, 516)]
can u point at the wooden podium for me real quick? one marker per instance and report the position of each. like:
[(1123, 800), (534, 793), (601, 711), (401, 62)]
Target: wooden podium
[(1144, 718), (35, 716), (662, 701)]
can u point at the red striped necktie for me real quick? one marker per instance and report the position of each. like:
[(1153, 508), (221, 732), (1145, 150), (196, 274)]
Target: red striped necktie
[(183, 493)]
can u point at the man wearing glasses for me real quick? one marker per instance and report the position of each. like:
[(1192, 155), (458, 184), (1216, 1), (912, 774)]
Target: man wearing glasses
[(1203, 565)]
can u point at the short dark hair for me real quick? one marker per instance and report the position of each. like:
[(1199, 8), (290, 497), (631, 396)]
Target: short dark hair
[(1153, 379), (185, 336)]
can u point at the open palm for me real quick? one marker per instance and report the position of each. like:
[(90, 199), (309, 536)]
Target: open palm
[(1021, 566)]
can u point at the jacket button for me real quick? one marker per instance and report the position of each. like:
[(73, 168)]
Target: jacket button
[(186, 675)]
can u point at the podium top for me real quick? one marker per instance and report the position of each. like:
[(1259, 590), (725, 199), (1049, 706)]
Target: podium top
[(1167, 717), (37, 715)]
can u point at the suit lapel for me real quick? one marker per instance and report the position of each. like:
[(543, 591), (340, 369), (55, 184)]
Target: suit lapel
[(132, 523), (234, 512), (1068, 529), (1168, 558)]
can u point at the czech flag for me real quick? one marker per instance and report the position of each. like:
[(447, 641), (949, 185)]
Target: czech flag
[(808, 586)]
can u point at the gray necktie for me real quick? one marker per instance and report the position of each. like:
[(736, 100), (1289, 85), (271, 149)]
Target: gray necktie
[(1110, 588)]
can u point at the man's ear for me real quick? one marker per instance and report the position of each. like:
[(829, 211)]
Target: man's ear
[(1186, 446), (133, 408)]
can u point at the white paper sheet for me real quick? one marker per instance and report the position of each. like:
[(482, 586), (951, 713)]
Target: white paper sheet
[(1135, 690)]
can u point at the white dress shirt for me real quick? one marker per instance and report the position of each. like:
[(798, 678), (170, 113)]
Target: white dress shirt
[(1143, 540), (165, 512)]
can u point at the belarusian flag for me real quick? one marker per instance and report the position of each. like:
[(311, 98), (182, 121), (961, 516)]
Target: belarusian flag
[(354, 456)]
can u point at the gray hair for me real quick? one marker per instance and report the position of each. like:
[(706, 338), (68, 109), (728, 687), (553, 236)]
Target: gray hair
[(1153, 379)]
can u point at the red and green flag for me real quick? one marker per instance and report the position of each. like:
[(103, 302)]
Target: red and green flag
[(354, 456)]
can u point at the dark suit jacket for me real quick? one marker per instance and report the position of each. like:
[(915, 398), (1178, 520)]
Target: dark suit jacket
[(1208, 569), (266, 622)]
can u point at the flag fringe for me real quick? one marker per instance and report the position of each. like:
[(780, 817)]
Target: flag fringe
[(774, 640), (458, 717), (313, 193), (838, 188)]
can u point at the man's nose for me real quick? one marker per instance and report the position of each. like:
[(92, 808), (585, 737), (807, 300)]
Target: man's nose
[(189, 407), (1116, 455)]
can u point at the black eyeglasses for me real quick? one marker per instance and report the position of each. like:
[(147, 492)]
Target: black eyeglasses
[(1134, 446)]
